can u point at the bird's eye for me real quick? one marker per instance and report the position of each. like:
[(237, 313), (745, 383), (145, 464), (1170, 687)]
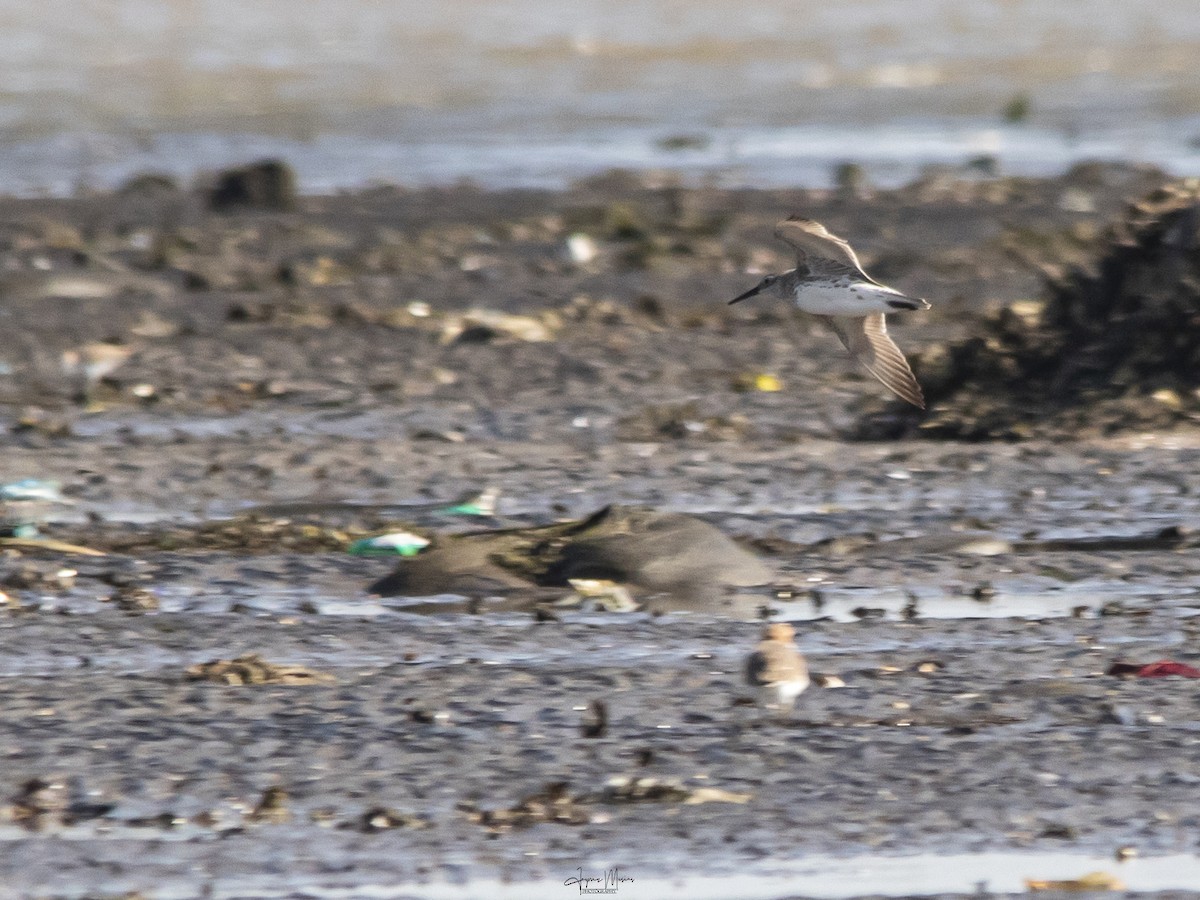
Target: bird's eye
[(770, 279)]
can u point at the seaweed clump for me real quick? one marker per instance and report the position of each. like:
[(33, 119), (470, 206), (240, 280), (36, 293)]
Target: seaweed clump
[(1114, 345)]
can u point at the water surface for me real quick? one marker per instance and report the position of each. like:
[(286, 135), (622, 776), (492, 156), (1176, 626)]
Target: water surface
[(536, 92)]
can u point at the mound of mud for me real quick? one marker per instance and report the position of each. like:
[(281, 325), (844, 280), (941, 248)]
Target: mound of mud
[(1115, 345)]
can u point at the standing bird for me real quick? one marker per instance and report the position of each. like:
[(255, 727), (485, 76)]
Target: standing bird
[(91, 363), (829, 282), (776, 668)]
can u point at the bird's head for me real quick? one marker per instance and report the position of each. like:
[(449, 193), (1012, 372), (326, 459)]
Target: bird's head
[(779, 631), (767, 283)]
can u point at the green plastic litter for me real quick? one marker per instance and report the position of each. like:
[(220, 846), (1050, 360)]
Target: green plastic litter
[(464, 509), (481, 504), (403, 543), (32, 489), (25, 532)]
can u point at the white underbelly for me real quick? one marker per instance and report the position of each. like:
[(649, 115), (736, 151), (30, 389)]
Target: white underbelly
[(783, 693), (847, 299)]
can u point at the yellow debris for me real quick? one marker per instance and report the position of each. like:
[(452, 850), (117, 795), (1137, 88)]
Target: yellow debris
[(1092, 881), (763, 382)]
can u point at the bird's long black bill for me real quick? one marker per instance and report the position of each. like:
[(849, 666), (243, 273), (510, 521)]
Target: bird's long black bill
[(746, 296)]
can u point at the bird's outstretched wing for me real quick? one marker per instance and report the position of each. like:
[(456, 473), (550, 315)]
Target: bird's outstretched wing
[(868, 342), (815, 245), (756, 668)]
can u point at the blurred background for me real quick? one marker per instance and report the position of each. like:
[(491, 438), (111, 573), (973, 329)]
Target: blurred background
[(536, 92)]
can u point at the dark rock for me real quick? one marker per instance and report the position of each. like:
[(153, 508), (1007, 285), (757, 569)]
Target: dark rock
[(595, 721), (269, 184)]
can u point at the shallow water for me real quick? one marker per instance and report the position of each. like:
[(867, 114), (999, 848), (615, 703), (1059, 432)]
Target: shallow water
[(885, 876), (536, 93), (828, 878)]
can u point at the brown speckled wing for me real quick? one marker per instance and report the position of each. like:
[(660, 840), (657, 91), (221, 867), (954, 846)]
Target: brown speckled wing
[(868, 342), (816, 248)]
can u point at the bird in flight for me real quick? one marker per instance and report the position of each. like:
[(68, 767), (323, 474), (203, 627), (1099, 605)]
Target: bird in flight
[(829, 282)]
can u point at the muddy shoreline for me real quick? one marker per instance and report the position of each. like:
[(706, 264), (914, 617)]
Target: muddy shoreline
[(319, 360)]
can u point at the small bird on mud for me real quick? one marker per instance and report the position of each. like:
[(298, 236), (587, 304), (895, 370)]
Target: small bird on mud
[(829, 282), (776, 668), (91, 363)]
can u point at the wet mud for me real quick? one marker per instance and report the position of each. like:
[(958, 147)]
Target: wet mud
[(204, 695)]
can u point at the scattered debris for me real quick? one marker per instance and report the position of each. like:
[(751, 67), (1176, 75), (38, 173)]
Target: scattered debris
[(553, 803), (153, 326), (631, 789), (595, 720), (827, 680), (271, 808), (33, 577), (600, 592), (646, 789), (1092, 881), (762, 382), (404, 543), (581, 249), (481, 503), (32, 489), (481, 325), (677, 421), (248, 534), (47, 544), (715, 795), (983, 592), (38, 804), (42, 803), (26, 503), (132, 599), (381, 818), (253, 669)]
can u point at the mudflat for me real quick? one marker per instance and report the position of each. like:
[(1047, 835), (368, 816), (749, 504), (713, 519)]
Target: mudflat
[(229, 398)]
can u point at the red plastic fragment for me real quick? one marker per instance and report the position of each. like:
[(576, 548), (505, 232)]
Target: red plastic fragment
[(1165, 667), (1160, 669)]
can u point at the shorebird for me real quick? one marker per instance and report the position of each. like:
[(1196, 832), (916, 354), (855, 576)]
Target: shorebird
[(829, 282), (776, 668), (91, 363)]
